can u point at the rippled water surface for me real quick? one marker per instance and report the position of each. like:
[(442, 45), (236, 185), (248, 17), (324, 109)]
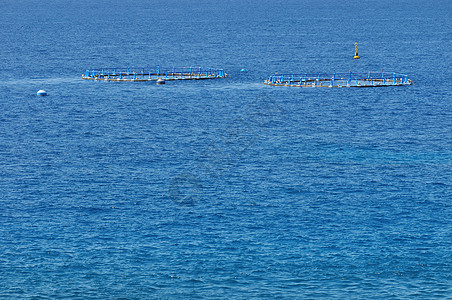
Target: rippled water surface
[(225, 188)]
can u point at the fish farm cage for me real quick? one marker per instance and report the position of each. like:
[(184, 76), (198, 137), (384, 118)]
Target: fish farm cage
[(153, 74), (350, 79)]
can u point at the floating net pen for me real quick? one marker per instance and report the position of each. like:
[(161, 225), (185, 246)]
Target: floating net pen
[(153, 74), (350, 79)]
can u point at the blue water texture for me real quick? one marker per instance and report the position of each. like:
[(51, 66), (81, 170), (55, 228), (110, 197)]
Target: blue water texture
[(225, 188)]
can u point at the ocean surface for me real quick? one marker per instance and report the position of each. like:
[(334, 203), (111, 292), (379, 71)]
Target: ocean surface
[(225, 188)]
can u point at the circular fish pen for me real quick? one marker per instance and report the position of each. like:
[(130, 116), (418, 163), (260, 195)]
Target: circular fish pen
[(153, 74), (337, 80)]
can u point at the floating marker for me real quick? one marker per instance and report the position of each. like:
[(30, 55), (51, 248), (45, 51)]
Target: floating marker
[(41, 93), (356, 52), (243, 70)]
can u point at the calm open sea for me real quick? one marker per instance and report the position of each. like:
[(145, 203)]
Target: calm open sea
[(225, 188)]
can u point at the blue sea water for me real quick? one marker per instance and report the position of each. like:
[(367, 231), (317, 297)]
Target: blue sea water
[(225, 188)]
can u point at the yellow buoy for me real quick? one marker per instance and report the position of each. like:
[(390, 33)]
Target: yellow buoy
[(356, 52)]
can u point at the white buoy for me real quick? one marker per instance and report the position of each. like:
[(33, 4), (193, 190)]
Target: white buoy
[(41, 93)]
